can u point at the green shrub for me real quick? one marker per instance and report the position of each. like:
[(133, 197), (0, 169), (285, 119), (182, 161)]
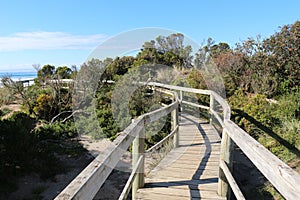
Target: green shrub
[(251, 112), (6, 97), (56, 130), (269, 192), (157, 130), (4, 111), (290, 131), (288, 106), (22, 152), (16, 144)]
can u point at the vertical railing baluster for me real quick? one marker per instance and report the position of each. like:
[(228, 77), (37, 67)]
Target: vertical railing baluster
[(138, 149), (180, 100), (226, 155), (212, 108), (174, 124)]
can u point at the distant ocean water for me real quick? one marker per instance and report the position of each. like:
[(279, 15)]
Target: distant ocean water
[(19, 76), (16, 76)]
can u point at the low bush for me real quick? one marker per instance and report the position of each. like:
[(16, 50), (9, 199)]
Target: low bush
[(288, 106), (56, 130), (275, 125), (4, 111), (251, 112), (6, 97), (21, 152)]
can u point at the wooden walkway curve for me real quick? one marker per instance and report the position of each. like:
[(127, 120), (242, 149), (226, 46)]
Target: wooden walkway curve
[(189, 171), (199, 166)]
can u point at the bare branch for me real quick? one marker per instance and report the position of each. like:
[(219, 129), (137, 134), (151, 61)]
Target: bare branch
[(67, 118)]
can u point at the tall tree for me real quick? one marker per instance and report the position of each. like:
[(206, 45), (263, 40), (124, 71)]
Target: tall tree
[(46, 71), (283, 50), (168, 50), (64, 72)]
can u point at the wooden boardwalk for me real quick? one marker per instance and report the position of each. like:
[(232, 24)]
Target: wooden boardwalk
[(189, 171)]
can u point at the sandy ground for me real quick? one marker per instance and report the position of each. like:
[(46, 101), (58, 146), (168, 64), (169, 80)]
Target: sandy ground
[(32, 187), (115, 183), (12, 107), (247, 176)]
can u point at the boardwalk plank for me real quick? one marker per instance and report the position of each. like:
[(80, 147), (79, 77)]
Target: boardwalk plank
[(183, 185), (177, 192), (189, 171)]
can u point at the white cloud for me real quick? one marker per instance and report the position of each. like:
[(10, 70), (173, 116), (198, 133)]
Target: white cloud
[(49, 41)]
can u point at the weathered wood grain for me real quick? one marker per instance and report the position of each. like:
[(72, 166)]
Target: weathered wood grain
[(235, 188), (138, 147), (285, 179), (131, 178)]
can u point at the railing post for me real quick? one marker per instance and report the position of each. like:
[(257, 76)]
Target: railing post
[(226, 154), (174, 124), (212, 108), (138, 149), (180, 100)]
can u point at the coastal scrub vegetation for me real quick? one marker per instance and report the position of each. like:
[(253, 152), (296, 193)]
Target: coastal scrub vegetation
[(261, 77)]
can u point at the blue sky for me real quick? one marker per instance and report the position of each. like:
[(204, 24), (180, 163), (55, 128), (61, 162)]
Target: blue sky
[(65, 32)]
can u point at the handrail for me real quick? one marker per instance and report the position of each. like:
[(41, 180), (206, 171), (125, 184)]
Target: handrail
[(131, 178), (281, 176), (160, 143), (284, 179), (235, 188), (89, 181), (179, 88), (195, 105)]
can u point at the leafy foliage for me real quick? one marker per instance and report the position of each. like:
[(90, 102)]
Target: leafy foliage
[(22, 152), (6, 97), (64, 72), (4, 111), (56, 131), (273, 125), (255, 107), (288, 106)]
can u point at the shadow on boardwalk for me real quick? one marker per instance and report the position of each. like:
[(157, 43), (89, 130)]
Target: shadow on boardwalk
[(193, 174)]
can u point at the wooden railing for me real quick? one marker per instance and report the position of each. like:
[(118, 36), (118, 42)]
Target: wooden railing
[(89, 181), (280, 175)]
